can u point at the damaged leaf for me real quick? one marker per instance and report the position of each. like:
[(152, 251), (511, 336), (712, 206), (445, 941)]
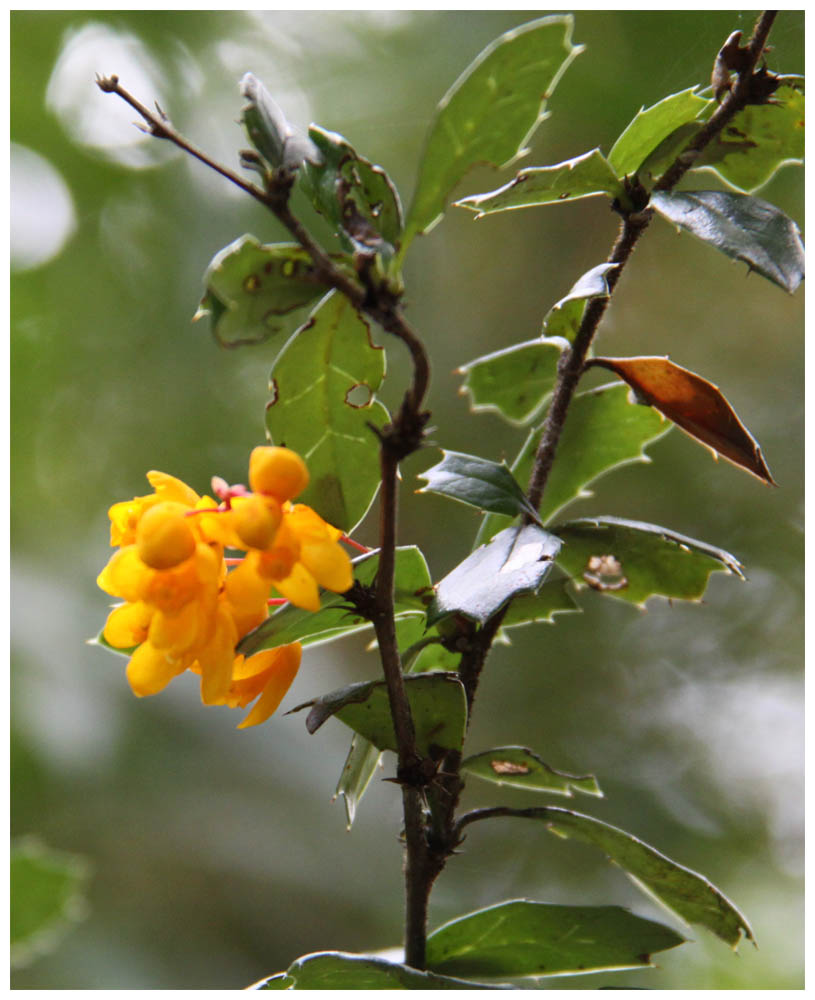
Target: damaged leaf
[(521, 768), (477, 482), (695, 405)]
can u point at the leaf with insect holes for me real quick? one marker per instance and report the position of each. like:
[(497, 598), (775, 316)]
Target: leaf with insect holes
[(695, 405), (742, 227), (519, 767), (477, 482)]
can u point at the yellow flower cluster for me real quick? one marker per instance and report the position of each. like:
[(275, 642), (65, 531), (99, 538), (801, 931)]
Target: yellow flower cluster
[(187, 610)]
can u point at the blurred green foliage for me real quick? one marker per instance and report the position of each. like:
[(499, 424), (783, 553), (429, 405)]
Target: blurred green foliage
[(218, 855)]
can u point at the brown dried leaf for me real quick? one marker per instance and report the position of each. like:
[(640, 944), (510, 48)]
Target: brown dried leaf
[(695, 405)]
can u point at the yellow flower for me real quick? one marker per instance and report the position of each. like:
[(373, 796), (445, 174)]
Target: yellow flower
[(269, 674)]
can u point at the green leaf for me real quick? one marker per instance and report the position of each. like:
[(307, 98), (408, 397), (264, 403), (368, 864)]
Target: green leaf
[(522, 938), (270, 133), (742, 227), (685, 892), (323, 404), (360, 766), (358, 198), (513, 382), (759, 140), (565, 316), (604, 430), (437, 701), (413, 591), (653, 125), (515, 561), (255, 291), (477, 482), (47, 896), (633, 561), (337, 970), (553, 598), (581, 177), (519, 767), (490, 112)]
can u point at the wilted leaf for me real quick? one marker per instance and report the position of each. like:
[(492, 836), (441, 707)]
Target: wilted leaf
[(515, 561), (522, 938), (521, 768), (437, 702), (695, 405), (513, 382), (685, 892), (742, 227), (323, 385), (633, 560), (565, 316), (603, 431), (477, 482), (653, 125), (413, 591), (580, 177), (490, 111), (255, 290)]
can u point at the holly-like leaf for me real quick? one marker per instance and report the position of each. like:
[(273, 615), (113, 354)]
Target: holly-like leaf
[(695, 405), (522, 938), (255, 291), (513, 382), (565, 316), (413, 591), (437, 702), (521, 768), (337, 970), (553, 598), (477, 482), (490, 112), (651, 126), (47, 896), (762, 138), (357, 197), (360, 766), (687, 893), (604, 430), (633, 560), (277, 141), (323, 403), (581, 177), (516, 561), (742, 227)]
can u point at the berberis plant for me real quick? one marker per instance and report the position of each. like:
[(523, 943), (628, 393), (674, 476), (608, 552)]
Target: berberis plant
[(235, 586)]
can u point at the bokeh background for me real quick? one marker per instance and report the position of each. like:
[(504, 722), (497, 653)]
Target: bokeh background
[(218, 855)]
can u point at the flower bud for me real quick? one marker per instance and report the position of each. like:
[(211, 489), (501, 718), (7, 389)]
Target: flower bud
[(279, 472), (164, 537), (256, 520)]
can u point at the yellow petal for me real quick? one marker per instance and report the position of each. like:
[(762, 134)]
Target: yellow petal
[(164, 537), (150, 670), (282, 666), (256, 519), (247, 592), (126, 575), (300, 588), (329, 564), (127, 625), (215, 659), (170, 488), (176, 632)]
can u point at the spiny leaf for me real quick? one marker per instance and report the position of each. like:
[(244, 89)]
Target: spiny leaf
[(516, 561), (477, 482), (552, 598), (742, 227), (437, 702), (695, 405), (314, 409), (565, 316), (255, 291), (633, 560), (490, 112), (522, 938), (521, 768), (581, 177), (653, 125)]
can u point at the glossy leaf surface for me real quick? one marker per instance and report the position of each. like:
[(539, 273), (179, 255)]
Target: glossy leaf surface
[(651, 126), (336, 970), (360, 766), (323, 385), (603, 431), (742, 227), (490, 111), (522, 938), (413, 591), (695, 405), (520, 767), (437, 702), (684, 891), (552, 598), (516, 561), (255, 290), (564, 318), (633, 560), (513, 382), (490, 486), (581, 177)]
